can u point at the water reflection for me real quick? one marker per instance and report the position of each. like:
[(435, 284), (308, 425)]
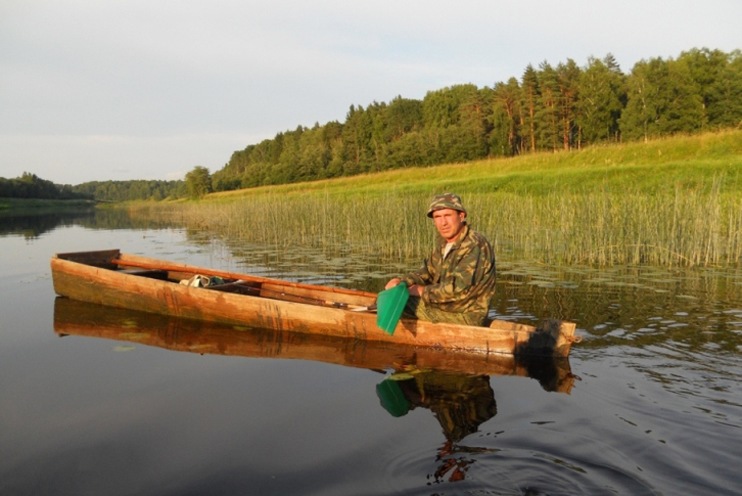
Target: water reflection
[(460, 403), (33, 225), (85, 319), (454, 386), (629, 305)]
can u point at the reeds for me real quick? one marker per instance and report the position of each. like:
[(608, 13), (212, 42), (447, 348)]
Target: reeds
[(675, 227), (605, 229)]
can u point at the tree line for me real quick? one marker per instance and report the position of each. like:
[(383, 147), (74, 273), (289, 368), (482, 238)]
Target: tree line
[(29, 185), (549, 108), (136, 189)]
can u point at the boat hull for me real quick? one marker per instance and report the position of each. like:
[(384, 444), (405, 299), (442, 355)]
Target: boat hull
[(106, 278)]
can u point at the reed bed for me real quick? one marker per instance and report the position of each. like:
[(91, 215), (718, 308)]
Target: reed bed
[(672, 228), (602, 229)]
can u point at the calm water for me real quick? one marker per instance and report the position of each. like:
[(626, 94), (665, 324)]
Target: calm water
[(655, 407)]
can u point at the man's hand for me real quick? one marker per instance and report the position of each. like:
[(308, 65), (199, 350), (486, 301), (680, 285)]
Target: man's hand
[(415, 290)]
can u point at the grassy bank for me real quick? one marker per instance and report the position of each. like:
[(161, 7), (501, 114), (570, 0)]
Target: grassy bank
[(675, 201)]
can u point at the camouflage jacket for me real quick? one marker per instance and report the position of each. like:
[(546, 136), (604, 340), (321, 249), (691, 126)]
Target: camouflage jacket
[(463, 281)]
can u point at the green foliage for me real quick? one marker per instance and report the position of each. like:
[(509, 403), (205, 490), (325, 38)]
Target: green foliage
[(120, 191), (718, 80), (31, 186), (505, 138), (552, 108), (663, 99), (602, 90), (198, 182)]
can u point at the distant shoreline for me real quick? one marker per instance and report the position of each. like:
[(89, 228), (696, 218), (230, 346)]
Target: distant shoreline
[(15, 205)]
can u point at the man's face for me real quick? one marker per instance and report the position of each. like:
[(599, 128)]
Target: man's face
[(449, 222)]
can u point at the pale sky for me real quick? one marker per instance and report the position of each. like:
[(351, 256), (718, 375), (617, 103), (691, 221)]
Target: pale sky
[(148, 89)]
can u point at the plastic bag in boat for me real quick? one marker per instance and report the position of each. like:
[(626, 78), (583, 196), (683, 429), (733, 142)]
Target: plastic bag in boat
[(199, 281)]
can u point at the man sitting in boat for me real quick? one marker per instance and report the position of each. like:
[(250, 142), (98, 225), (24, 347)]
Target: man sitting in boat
[(457, 282)]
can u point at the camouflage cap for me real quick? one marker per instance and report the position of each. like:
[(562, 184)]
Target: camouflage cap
[(446, 200)]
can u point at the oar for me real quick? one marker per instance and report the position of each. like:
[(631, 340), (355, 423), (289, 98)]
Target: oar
[(282, 295), (370, 308), (390, 304)]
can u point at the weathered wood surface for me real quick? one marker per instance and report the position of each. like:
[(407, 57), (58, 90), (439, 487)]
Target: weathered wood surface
[(284, 306)]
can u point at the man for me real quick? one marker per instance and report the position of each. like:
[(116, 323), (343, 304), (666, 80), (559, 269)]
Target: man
[(456, 283)]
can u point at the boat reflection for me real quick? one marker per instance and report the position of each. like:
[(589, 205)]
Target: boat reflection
[(454, 386), (77, 318)]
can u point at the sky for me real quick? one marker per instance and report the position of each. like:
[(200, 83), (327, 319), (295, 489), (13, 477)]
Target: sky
[(148, 89)]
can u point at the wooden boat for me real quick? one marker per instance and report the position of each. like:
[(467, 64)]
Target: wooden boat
[(77, 318), (121, 280)]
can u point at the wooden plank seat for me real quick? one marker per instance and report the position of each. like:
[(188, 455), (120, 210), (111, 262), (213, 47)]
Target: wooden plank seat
[(151, 273)]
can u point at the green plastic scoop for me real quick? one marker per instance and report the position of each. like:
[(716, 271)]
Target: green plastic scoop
[(392, 398), (389, 304)]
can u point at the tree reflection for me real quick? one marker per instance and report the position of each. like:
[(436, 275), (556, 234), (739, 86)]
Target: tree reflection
[(31, 224)]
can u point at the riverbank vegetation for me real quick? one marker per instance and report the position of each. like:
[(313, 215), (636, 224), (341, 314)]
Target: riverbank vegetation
[(673, 202), (549, 108)]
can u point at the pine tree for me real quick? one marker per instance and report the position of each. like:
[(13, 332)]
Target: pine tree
[(531, 96), (506, 118), (547, 114), (600, 103)]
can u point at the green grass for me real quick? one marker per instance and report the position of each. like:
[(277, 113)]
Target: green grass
[(676, 201), (691, 160)]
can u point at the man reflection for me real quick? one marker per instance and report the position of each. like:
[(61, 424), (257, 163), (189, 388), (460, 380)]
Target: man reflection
[(460, 403)]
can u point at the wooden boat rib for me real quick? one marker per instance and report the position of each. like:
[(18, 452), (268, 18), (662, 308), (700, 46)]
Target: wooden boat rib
[(112, 278)]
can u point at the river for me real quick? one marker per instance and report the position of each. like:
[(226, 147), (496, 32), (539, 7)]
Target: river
[(100, 401)]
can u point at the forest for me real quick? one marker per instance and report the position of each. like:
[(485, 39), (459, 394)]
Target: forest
[(550, 108), (137, 189), (31, 186)]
